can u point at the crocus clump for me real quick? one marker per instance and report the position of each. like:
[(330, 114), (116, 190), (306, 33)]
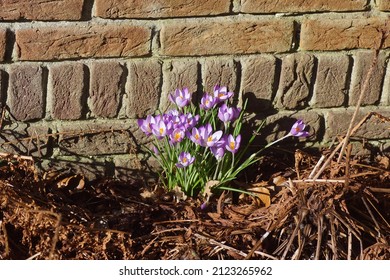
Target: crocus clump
[(198, 143)]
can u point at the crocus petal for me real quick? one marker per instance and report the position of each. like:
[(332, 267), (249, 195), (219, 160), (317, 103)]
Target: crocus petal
[(185, 159), (298, 129), (232, 145)]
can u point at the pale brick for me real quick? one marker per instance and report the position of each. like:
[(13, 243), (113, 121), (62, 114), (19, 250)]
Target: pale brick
[(160, 8), (91, 168), (383, 5), (210, 37), (25, 96), (343, 34), (178, 74), (278, 125), (363, 62), (25, 139), (41, 10), (295, 81), (338, 121), (331, 84), (258, 81), (106, 88), (3, 35), (221, 72), (2, 87), (299, 6), (143, 88), (135, 166), (66, 84), (385, 99), (82, 41), (89, 138)]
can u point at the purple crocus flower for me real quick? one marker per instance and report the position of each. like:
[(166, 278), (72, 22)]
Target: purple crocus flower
[(207, 102), (161, 129), (180, 97), (232, 145), (185, 159), (213, 138), (177, 135), (298, 129), (189, 121), (205, 131), (218, 152), (146, 124), (221, 93), (195, 136), (227, 114)]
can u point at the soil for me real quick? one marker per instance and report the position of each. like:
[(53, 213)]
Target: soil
[(343, 214)]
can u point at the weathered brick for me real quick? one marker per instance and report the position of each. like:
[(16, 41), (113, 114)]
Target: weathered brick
[(178, 74), (295, 80), (41, 10), (363, 62), (134, 166), (160, 8), (383, 5), (25, 97), (258, 81), (143, 88), (88, 138), (278, 125), (82, 41), (2, 87), (107, 88), (299, 6), (385, 100), (338, 123), (331, 84), (343, 34), (208, 37), (3, 34), (222, 72), (25, 139), (66, 85), (90, 167)]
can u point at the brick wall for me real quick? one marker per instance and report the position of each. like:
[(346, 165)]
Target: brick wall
[(69, 67)]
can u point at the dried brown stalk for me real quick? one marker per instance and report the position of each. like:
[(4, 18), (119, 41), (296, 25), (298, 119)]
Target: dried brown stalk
[(362, 92)]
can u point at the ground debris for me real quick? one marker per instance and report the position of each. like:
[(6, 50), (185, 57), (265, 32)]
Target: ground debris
[(343, 214)]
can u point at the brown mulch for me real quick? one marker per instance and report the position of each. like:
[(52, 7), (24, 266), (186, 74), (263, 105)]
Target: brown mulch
[(344, 214)]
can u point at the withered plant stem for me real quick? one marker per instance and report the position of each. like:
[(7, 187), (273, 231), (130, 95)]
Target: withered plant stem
[(363, 90)]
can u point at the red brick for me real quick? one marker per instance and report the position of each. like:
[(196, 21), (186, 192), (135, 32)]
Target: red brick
[(180, 73), (144, 88), (258, 81), (338, 123), (222, 72), (3, 34), (295, 80), (209, 37), (107, 86), (299, 6), (383, 5), (25, 97), (66, 84), (363, 62), (25, 139), (331, 83), (41, 10), (101, 137), (56, 43), (342, 34), (160, 8)]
